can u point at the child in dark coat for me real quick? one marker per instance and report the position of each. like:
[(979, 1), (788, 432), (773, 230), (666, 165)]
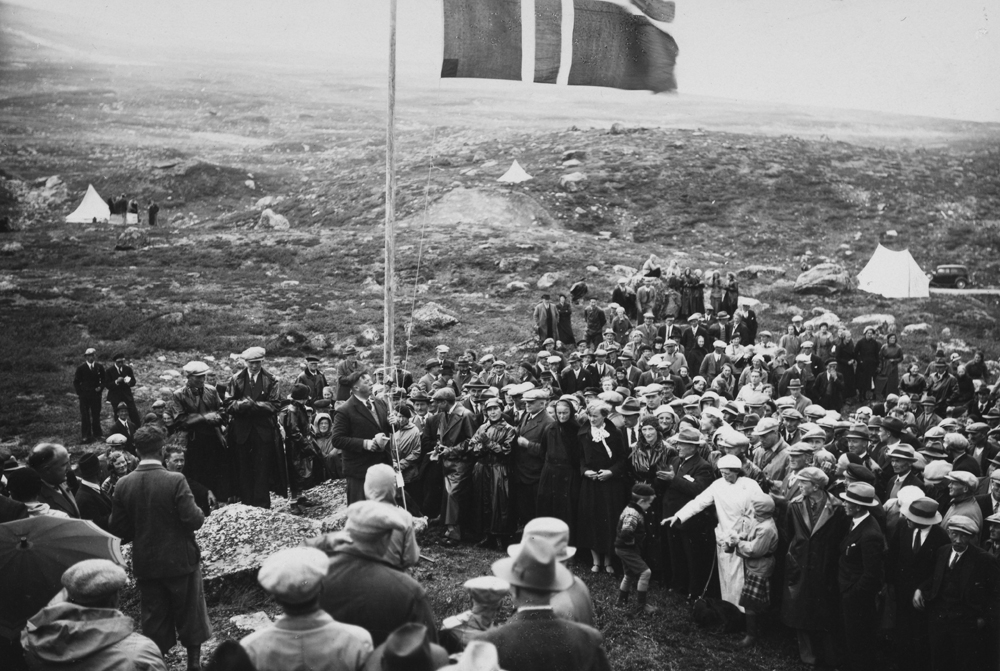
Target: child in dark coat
[(629, 541)]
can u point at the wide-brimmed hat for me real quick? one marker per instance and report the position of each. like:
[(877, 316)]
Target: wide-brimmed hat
[(409, 648), (630, 406), (902, 452), (924, 511), (859, 431), (477, 656), (551, 529), (689, 435), (860, 493), (536, 567), (893, 424)]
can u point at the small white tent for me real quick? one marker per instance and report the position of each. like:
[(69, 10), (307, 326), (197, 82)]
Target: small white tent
[(893, 275), (93, 207), (514, 175)]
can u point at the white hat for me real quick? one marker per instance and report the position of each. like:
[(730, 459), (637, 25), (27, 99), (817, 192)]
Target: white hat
[(555, 358), (719, 343), (654, 388), (90, 350), (253, 354), (116, 439), (729, 461), (294, 575), (442, 349), (196, 368)]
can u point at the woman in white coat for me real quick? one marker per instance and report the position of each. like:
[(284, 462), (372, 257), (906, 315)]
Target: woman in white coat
[(732, 495)]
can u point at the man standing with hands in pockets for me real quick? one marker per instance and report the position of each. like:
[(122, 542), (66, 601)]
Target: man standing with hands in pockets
[(361, 430)]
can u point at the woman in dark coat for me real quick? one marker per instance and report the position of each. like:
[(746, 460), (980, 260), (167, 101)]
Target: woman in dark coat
[(697, 292), (696, 354), (686, 282), (731, 299), (648, 455), (604, 490), (815, 525), (912, 383), (843, 350), (492, 444), (559, 482), (564, 327), (889, 357)]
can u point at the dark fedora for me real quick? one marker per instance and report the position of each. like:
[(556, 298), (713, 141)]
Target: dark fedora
[(893, 425), (409, 648)]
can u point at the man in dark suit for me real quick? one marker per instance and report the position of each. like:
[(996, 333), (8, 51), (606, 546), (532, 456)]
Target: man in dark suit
[(961, 601), (981, 448), (155, 510), (712, 364), (362, 587), (575, 377), (902, 458), (695, 328), (722, 329), (51, 461), (534, 638), (119, 380), (910, 562), (123, 426), (691, 544), (94, 504), (252, 404), (446, 435), (860, 576), (989, 503), (361, 430), (88, 382), (528, 454)]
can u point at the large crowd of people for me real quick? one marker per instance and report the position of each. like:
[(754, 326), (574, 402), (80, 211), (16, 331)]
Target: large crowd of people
[(846, 489)]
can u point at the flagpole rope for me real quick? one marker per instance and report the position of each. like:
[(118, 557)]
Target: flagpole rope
[(420, 250)]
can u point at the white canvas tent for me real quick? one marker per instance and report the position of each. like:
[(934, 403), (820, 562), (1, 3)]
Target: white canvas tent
[(893, 275), (93, 207), (514, 175)]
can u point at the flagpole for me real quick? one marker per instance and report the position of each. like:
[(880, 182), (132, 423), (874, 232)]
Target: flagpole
[(390, 204)]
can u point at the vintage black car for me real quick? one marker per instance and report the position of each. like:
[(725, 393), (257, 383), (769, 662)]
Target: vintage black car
[(950, 275)]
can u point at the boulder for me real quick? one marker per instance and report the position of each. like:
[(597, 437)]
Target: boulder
[(517, 286), (912, 329), (431, 317), (548, 280), (824, 279), (131, 238), (573, 181), (574, 154), (277, 222), (12, 248), (266, 201), (317, 342), (755, 271), (370, 335), (511, 264), (623, 271)]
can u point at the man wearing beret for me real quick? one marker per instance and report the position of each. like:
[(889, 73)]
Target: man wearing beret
[(252, 402), (88, 382), (361, 431), (82, 628), (961, 599), (361, 587), (860, 576), (534, 638), (155, 510), (306, 636), (196, 410)]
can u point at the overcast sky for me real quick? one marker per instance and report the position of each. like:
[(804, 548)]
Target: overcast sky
[(928, 57)]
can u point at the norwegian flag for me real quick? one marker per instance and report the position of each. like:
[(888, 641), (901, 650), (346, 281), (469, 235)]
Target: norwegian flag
[(615, 43)]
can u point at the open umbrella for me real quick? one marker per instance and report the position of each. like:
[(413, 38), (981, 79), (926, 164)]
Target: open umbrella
[(33, 555)]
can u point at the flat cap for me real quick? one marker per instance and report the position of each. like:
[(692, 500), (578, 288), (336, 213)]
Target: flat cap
[(116, 439), (813, 475), (765, 426), (964, 524), (92, 580), (195, 368), (253, 354), (90, 350), (444, 394), (294, 575), (487, 589), (535, 395), (965, 478), (800, 449)]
